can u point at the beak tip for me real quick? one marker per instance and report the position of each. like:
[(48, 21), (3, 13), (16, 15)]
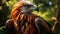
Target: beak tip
[(37, 9)]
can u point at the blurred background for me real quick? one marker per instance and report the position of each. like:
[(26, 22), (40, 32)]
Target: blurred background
[(48, 10)]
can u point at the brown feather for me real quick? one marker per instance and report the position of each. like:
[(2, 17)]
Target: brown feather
[(24, 24)]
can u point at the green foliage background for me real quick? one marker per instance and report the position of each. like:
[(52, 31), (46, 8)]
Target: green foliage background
[(46, 11)]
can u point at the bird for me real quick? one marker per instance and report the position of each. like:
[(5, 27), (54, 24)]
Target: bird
[(23, 21)]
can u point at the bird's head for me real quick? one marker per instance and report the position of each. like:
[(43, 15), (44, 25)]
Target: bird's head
[(26, 6)]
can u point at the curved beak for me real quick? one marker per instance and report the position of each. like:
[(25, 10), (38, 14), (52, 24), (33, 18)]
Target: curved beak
[(36, 8)]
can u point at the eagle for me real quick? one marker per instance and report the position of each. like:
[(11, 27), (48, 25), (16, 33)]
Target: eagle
[(23, 21)]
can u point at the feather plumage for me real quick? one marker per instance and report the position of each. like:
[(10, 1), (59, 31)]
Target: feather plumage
[(26, 24)]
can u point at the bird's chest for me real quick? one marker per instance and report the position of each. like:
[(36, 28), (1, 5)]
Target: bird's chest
[(26, 26)]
